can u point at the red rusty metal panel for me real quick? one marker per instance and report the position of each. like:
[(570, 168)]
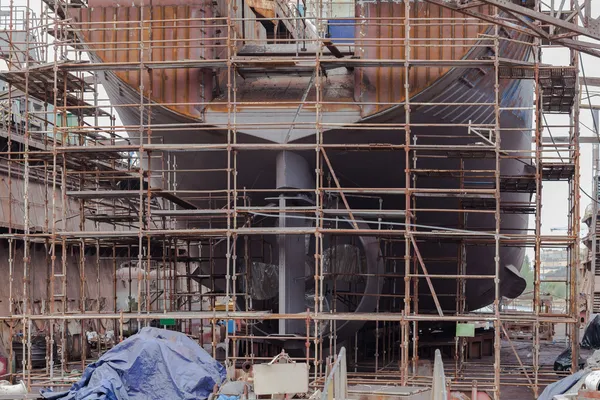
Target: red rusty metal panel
[(172, 30), (380, 34)]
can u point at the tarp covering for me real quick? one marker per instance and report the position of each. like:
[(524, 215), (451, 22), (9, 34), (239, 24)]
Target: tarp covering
[(563, 361), (591, 337), (345, 260), (342, 260), (264, 280), (561, 386), (153, 364)]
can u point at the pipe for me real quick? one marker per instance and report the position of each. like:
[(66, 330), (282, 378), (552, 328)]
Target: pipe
[(123, 273)]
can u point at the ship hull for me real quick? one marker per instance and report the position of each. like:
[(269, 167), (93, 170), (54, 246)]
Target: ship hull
[(256, 169), (369, 100)]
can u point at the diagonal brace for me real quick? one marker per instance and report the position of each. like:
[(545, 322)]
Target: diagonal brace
[(337, 183), (426, 273)]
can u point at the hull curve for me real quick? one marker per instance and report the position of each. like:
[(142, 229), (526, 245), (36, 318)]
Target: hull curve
[(435, 124)]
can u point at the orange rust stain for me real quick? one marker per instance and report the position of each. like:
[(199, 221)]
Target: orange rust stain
[(380, 34), (264, 7), (167, 33), (115, 34)]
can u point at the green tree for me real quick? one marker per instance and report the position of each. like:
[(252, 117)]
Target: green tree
[(555, 289), (527, 273)]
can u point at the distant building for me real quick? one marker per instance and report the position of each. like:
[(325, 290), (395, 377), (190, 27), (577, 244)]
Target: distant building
[(553, 263)]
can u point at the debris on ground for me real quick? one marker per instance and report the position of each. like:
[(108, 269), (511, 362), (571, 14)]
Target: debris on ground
[(593, 362), (563, 361), (580, 385), (153, 364)]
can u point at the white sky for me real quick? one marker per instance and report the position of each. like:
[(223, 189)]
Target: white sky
[(554, 197)]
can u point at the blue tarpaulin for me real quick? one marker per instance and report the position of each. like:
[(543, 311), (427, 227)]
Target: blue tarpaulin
[(153, 364)]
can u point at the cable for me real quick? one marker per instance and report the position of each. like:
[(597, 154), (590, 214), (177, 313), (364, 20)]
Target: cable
[(587, 127), (590, 197)]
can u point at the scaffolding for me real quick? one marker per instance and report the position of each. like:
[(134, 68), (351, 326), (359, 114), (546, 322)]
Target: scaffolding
[(105, 231), (592, 262)]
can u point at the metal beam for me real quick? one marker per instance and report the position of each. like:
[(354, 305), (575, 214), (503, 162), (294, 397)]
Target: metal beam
[(427, 278), (589, 81), (566, 139), (337, 183), (511, 8), (531, 25)]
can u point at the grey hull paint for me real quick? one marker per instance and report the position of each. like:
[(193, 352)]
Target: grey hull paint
[(256, 169)]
